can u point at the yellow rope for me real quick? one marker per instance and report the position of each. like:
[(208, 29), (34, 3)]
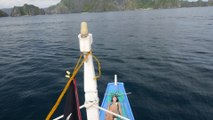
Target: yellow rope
[(78, 61), (99, 67), (77, 67)]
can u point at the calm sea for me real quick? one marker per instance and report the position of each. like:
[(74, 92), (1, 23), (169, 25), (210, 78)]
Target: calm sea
[(164, 57)]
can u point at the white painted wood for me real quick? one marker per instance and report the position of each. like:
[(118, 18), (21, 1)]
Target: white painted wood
[(115, 80), (90, 84)]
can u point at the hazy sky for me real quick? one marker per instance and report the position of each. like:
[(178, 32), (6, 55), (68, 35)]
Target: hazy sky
[(39, 3), (196, 0)]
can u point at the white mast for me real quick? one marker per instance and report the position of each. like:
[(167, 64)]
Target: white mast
[(90, 84)]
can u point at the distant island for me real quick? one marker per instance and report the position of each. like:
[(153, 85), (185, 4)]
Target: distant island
[(70, 6), (29, 10), (76, 6), (3, 14)]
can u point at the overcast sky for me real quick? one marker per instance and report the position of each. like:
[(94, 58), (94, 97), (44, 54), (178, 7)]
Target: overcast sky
[(39, 3)]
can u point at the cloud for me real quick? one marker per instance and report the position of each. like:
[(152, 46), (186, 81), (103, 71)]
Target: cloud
[(39, 3)]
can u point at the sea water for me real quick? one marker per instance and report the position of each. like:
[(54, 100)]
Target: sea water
[(164, 57)]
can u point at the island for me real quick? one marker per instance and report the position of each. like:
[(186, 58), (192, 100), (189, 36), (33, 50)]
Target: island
[(74, 6), (77, 6), (26, 10), (3, 14)]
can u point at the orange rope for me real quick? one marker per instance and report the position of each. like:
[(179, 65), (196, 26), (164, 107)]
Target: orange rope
[(99, 67), (77, 68)]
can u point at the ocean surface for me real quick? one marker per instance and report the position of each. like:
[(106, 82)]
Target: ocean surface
[(164, 57)]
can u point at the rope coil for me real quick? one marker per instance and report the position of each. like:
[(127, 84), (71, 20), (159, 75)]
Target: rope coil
[(99, 67)]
